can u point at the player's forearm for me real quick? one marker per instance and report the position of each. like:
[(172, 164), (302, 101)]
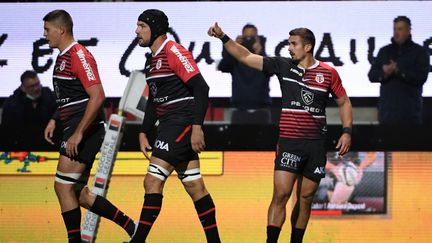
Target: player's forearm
[(200, 91), (150, 117), (92, 110), (236, 50), (201, 104), (345, 112), (56, 115)]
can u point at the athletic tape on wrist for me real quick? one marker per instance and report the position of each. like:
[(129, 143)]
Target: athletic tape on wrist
[(347, 130), (225, 39)]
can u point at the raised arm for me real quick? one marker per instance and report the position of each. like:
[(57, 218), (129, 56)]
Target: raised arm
[(236, 50)]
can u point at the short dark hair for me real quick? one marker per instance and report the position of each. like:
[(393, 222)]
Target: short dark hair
[(402, 19), (62, 17), (248, 25), (306, 34), (28, 74)]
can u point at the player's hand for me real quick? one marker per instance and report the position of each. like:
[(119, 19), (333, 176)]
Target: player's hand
[(344, 144), (72, 144), (144, 144), (49, 131), (197, 139), (215, 31)]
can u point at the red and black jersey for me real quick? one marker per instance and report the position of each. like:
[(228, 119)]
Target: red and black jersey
[(305, 93), (74, 71), (167, 73)]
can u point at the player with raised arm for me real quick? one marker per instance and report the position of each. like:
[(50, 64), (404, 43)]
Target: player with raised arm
[(300, 155)]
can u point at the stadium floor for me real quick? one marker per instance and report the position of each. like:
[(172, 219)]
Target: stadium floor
[(29, 211)]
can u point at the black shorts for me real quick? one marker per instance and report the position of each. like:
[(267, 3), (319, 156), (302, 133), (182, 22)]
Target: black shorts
[(303, 157), (173, 145), (88, 147)]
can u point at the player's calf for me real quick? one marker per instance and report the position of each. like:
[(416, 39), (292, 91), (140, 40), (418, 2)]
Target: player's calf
[(207, 214), (153, 185), (155, 178)]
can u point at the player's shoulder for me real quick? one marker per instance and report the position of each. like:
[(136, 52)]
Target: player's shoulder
[(173, 47), (280, 60), (284, 59), (76, 48), (80, 51), (327, 67)]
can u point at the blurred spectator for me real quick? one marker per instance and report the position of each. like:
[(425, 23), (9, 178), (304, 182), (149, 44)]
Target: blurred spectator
[(250, 87), (402, 68), (30, 104), (26, 113)]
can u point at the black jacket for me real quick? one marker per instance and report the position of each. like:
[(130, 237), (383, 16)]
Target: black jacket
[(18, 110), (401, 94), (250, 87)]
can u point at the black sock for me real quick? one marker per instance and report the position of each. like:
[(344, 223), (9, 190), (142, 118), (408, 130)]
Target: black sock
[(150, 211), (207, 215), (273, 233), (104, 208), (72, 220), (297, 235)]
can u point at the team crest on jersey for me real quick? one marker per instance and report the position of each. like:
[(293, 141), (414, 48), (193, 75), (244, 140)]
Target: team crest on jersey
[(153, 89), (319, 78), (159, 64), (62, 65), (307, 96)]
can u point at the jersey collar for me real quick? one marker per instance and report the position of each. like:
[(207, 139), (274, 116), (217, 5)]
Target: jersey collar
[(161, 47), (316, 64), (67, 48)]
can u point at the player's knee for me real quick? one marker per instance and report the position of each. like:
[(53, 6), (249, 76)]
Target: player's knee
[(85, 196), (63, 186), (281, 197), (196, 188), (306, 198), (192, 181), (155, 171), (62, 189), (191, 176), (153, 184), (69, 184), (155, 178), (196, 185)]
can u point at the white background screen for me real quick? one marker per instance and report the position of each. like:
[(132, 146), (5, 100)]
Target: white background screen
[(113, 25)]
